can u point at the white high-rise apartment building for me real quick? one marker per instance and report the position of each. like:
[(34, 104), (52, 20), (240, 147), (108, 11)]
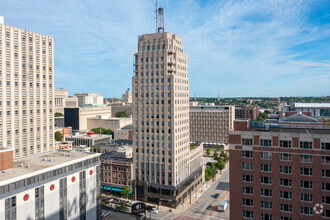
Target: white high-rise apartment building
[(26, 91), (161, 116)]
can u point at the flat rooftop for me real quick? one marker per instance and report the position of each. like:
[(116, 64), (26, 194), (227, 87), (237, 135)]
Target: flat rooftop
[(37, 163), (311, 105), (96, 137), (116, 156)]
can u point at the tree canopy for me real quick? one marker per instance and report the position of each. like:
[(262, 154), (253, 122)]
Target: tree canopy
[(58, 136), (58, 114), (122, 114), (125, 191)]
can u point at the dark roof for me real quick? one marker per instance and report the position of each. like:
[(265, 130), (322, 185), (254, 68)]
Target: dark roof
[(127, 127), (116, 156), (299, 118), (115, 143)]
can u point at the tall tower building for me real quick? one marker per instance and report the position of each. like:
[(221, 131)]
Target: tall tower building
[(26, 91), (161, 119)]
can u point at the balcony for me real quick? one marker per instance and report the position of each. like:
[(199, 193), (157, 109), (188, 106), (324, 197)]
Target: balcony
[(170, 51)]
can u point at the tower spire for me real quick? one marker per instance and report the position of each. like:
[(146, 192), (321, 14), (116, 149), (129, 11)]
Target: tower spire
[(160, 28)]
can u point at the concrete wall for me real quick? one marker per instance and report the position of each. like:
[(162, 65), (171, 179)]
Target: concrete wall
[(112, 123)]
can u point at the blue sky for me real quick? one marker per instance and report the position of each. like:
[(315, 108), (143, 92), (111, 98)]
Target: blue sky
[(235, 48)]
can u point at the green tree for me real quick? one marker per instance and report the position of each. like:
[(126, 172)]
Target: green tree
[(215, 154), (108, 131), (125, 191), (58, 136), (122, 207), (122, 114), (208, 151), (58, 114), (102, 131), (221, 164)]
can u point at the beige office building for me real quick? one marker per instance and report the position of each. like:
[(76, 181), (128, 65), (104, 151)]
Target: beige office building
[(211, 124), (26, 91), (62, 100), (89, 99), (120, 107), (161, 121)]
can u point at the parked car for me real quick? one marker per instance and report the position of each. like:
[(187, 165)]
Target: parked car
[(153, 211), (131, 203), (216, 195)]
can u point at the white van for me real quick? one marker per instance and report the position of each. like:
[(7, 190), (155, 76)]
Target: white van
[(223, 206)]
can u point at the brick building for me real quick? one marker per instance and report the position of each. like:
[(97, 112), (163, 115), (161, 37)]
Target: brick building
[(280, 171), (246, 112)]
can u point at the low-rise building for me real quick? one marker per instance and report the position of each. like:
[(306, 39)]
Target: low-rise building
[(88, 140), (89, 99), (124, 133), (108, 123), (211, 124), (246, 112), (77, 118), (63, 145), (117, 171), (123, 146), (65, 131), (120, 107), (52, 185), (318, 110)]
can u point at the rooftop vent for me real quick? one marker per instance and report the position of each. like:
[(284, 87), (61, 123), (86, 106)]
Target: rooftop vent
[(51, 159), (44, 159), (21, 165), (28, 166)]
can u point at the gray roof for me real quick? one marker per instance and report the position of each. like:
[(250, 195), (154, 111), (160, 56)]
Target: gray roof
[(116, 156), (127, 127), (299, 118)]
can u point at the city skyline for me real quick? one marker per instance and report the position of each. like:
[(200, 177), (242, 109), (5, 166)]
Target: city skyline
[(241, 42)]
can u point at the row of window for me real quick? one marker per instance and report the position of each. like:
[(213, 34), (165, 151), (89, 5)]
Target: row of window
[(285, 208), (285, 144)]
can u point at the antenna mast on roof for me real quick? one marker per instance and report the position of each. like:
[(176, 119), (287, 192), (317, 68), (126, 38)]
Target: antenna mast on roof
[(160, 19), (156, 17)]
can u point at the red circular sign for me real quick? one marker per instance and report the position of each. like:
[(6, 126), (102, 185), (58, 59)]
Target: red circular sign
[(26, 197), (73, 179), (52, 187), (91, 172)]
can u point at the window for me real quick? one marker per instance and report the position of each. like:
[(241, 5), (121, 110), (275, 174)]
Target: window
[(247, 178), (266, 167), (306, 210), (306, 171), (325, 173), (247, 214), (285, 218), (285, 157), (265, 216), (265, 143), (306, 184), (306, 158), (267, 192), (326, 186), (326, 213), (326, 159), (285, 144), (247, 166), (325, 199), (266, 205), (246, 141), (247, 190), (285, 195), (285, 169), (306, 145), (247, 154), (10, 208), (266, 180), (247, 202), (266, 155), (325, 146), (285, 207), (306, 197), (285, 182)]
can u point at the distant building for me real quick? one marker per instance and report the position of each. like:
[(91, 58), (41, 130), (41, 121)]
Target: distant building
[(77, 118), (108, 123), (117, 171), (121, 146), (88, 140), (120, 107), (280, 171), (317, 110), (124, 133), (127, 97), (211, 124), (62, 100), (63, 145), (65, 131), (246, 112), (89, 99)]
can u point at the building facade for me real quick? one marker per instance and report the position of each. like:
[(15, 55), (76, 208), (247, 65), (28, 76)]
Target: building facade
[(127, 97), (62, 100), (120, 107), (89, 99), (27, 91), (246, 112), (161, 152), (52, 186), (117, 171), (280, 171), (211, 124), (317, 110)]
